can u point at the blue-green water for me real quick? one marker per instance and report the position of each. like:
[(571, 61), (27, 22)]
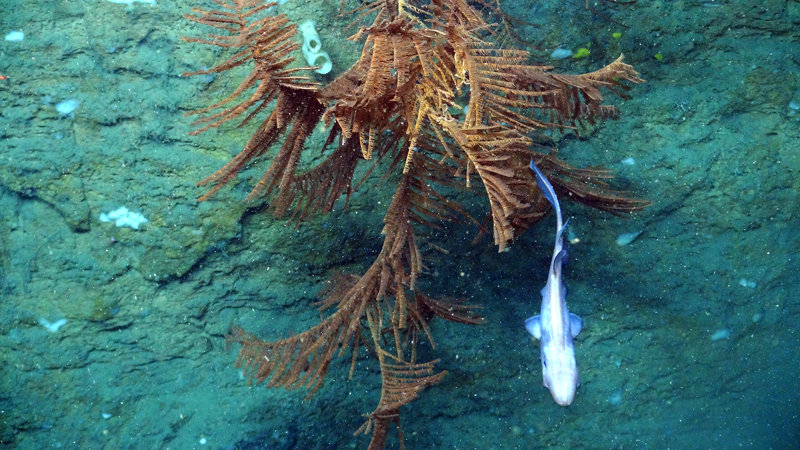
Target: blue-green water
[(689, 334)]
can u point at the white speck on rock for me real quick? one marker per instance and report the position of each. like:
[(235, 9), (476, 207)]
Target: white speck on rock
[(561, 53), (615, 399), (747, 283), (52, 326), (131, 2), (627, 238), (721, 334), (67, 106), (15, 36)]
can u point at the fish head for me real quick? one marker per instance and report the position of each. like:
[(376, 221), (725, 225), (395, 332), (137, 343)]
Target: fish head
[(560, 373)]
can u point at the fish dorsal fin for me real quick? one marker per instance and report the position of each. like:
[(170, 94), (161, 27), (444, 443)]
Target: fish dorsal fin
[(559, 261)]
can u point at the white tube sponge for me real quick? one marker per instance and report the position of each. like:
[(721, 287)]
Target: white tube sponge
[(312, 48)]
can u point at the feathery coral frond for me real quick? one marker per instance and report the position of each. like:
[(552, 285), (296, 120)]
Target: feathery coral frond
[(296, 107), (567, 100), (453, 310), (267, 42), (401, 383), (303, 359), (588, 186)]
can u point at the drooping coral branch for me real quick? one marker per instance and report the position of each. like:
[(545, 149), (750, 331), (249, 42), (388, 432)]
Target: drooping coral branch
[(266, 42)]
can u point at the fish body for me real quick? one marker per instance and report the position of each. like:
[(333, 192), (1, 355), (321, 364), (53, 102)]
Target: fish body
[(555, 326)]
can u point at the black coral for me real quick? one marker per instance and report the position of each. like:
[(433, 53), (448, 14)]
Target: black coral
[(401, 104)]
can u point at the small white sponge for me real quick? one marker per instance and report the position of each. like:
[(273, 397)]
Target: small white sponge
[(123, 218), (312, 48), (131, 2)]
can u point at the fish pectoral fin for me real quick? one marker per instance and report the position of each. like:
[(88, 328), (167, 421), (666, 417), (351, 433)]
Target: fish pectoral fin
[(534, 326), (575, 324)]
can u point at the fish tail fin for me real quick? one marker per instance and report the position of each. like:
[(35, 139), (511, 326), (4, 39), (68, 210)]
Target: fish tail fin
[(548, 191)]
